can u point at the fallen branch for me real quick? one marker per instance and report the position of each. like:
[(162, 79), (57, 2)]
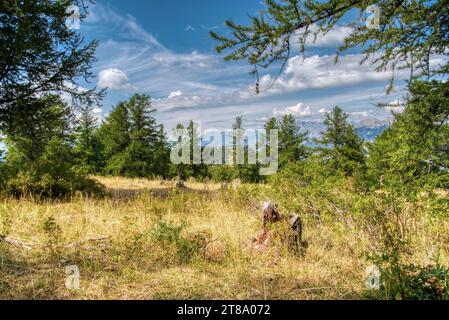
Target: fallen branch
[(24, 245), (81, 242), (16, 242)]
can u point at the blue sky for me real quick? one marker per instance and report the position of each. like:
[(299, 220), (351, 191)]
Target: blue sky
[(163, 49)]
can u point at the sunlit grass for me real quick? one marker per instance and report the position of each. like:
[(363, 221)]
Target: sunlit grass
[(128, 262)]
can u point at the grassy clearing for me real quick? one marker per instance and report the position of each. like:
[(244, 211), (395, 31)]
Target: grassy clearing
[(193, 243)]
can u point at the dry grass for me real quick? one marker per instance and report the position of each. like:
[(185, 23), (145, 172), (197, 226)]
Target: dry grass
[(133, 264)]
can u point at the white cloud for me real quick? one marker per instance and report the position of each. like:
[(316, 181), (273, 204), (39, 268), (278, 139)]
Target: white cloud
[(361, 115), (114, 79), (322, 72), (323, 111), (299, 110), (395, 106), (395, 103), (300, 74), (174, 94), (97, 110), (203, 81), (333, 38), (189, 28)]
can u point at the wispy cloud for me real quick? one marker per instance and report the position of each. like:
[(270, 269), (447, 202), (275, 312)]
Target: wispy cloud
[(185, 85)]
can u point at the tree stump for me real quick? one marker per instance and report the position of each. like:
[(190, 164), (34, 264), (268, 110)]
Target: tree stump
[(291, 233), (180, 184)]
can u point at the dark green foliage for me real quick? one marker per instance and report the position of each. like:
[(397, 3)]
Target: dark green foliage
[(40, 159), (87, 145), (39, 55), (114, 137), (162, 155), (133, 144), (341, 147), (307, 186), (409, 33), (186, 247), (413, 282), (222, 173), (246, 172), (414, 152), (196, 169), (291, 141), (183, 170)]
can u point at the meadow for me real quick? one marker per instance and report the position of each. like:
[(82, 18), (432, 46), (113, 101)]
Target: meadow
[(150, 240)]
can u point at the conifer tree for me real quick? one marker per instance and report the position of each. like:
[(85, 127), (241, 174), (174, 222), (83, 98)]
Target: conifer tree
[(40, 158), (87, 147), (291, 141), (419, 32), (341, 147), (114, 135), (143, 137), (40, 55), (162, 155), (414, 152), (130, 139)]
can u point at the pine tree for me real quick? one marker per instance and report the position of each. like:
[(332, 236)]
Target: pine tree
[(143, 137), (183, 170), (130, 138), (87, 147), (291, 141), (40, 55), (246, 172), (162, 155), (341, 147), (40, 158), (114, 135), (236, 145), (197, 168), (414, 152), (419, 32)]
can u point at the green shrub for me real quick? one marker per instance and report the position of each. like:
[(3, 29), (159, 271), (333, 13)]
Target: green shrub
[(186, 247), (53, 174), (2, 175), (222, 173), (413, 282)]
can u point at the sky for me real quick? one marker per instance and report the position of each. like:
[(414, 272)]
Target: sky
[(163, 49)]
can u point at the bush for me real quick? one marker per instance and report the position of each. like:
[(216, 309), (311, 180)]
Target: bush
[(2, 175), (186, 247), (51, 175), (413, 282), (222, 173), (307, 186)]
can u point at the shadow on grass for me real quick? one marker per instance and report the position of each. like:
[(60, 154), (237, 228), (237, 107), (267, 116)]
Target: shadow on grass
[(127, 194)]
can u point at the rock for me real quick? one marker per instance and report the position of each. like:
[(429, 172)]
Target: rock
[(180, 184)]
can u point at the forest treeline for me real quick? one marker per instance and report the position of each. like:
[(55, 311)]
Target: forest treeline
[(53, 147), (59, 148)]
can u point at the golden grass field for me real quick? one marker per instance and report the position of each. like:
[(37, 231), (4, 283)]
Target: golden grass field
[(120, 254)]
